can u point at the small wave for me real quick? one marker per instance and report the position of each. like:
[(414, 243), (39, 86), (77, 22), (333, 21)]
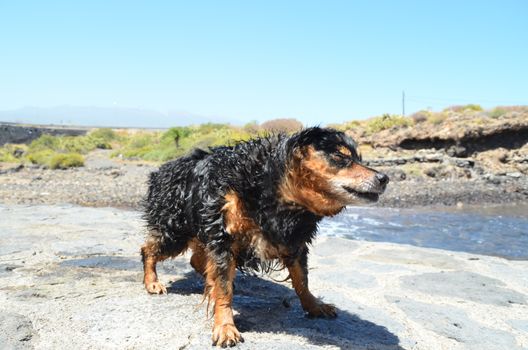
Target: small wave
[(473, 231)]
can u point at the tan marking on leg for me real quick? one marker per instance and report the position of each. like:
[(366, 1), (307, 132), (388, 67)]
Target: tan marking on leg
[(199, 258), (150, 278), (220, 291), (310, 304), (151, 254)]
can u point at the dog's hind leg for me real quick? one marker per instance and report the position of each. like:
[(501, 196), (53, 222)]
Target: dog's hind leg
[(152, 252)]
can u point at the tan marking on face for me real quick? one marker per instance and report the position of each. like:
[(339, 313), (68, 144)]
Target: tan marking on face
[(354, 175), (311, 181), (307, 183)]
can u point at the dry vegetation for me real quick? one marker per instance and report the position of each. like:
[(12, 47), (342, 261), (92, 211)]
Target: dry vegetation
[(68, 151), (60, 152), (471, 115)]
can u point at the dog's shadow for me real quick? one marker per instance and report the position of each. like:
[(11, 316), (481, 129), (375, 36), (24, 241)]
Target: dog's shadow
[(267, 307)]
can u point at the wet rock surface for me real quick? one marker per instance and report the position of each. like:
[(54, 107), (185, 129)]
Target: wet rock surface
[(70, 278)]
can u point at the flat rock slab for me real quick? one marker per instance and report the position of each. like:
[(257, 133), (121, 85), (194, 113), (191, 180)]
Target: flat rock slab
[(70, 278)]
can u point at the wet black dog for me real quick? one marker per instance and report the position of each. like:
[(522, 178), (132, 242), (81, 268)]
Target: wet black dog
[(249, 205)]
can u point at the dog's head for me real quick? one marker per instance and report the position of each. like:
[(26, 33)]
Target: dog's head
[(324, 172)]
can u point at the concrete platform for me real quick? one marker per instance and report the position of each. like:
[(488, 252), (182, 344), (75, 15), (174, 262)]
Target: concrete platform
[(70, 278)]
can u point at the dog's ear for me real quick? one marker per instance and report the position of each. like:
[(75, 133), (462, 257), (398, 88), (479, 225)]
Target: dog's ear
[(298, 142), (321, 139), (306, 137)]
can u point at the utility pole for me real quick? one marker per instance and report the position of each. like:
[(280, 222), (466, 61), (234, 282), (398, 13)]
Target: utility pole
[(403, 103)]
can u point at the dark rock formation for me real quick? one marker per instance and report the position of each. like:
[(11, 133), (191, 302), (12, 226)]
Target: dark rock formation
[(25, 134)]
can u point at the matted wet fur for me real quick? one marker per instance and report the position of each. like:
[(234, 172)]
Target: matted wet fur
[(253, 206)]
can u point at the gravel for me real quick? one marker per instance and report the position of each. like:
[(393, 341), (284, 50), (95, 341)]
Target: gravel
[(106, 181)]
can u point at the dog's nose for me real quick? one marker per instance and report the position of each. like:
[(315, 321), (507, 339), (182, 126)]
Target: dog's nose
[(382, 178)]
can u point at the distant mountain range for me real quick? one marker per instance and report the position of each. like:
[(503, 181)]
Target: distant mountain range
[(108, 116)]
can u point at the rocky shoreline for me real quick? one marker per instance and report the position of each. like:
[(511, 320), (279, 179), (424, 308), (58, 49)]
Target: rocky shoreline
[(464, 157), (110, 182), (70, 272)]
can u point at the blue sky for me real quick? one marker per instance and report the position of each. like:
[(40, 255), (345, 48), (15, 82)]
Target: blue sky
[(317, 61)]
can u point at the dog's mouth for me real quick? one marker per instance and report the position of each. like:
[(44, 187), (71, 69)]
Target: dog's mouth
[(367, 196)]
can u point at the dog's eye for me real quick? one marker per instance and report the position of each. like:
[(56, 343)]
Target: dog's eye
[(339, 155), (340, 159), (344, 152)]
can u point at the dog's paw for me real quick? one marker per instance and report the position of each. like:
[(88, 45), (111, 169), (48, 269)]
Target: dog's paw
[(226, 335), (322, 310), (155, 288)]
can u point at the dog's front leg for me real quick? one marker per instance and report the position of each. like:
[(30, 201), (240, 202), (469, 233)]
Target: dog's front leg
[(298, 270), (220, 274)]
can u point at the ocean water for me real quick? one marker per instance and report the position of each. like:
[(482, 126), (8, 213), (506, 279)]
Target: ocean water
[(492, 230)]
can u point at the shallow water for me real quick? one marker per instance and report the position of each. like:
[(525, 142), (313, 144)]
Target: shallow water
[(493, 230)]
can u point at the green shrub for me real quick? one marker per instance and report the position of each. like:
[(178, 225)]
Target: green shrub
[(69, 144), (252, 127), (101, 139), (464, 108), (353, 124), (10, 153), (181, 132), (142, 140), (51, 159), (387, 121), (40, 157), (473, 107), (6, 156), (437, 118), (156, 146), (104, 134), (66, 160), (103, 145), (45, 142), (497, 112), (175, 135), (208, 128), (76, 144), (140, 144)]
